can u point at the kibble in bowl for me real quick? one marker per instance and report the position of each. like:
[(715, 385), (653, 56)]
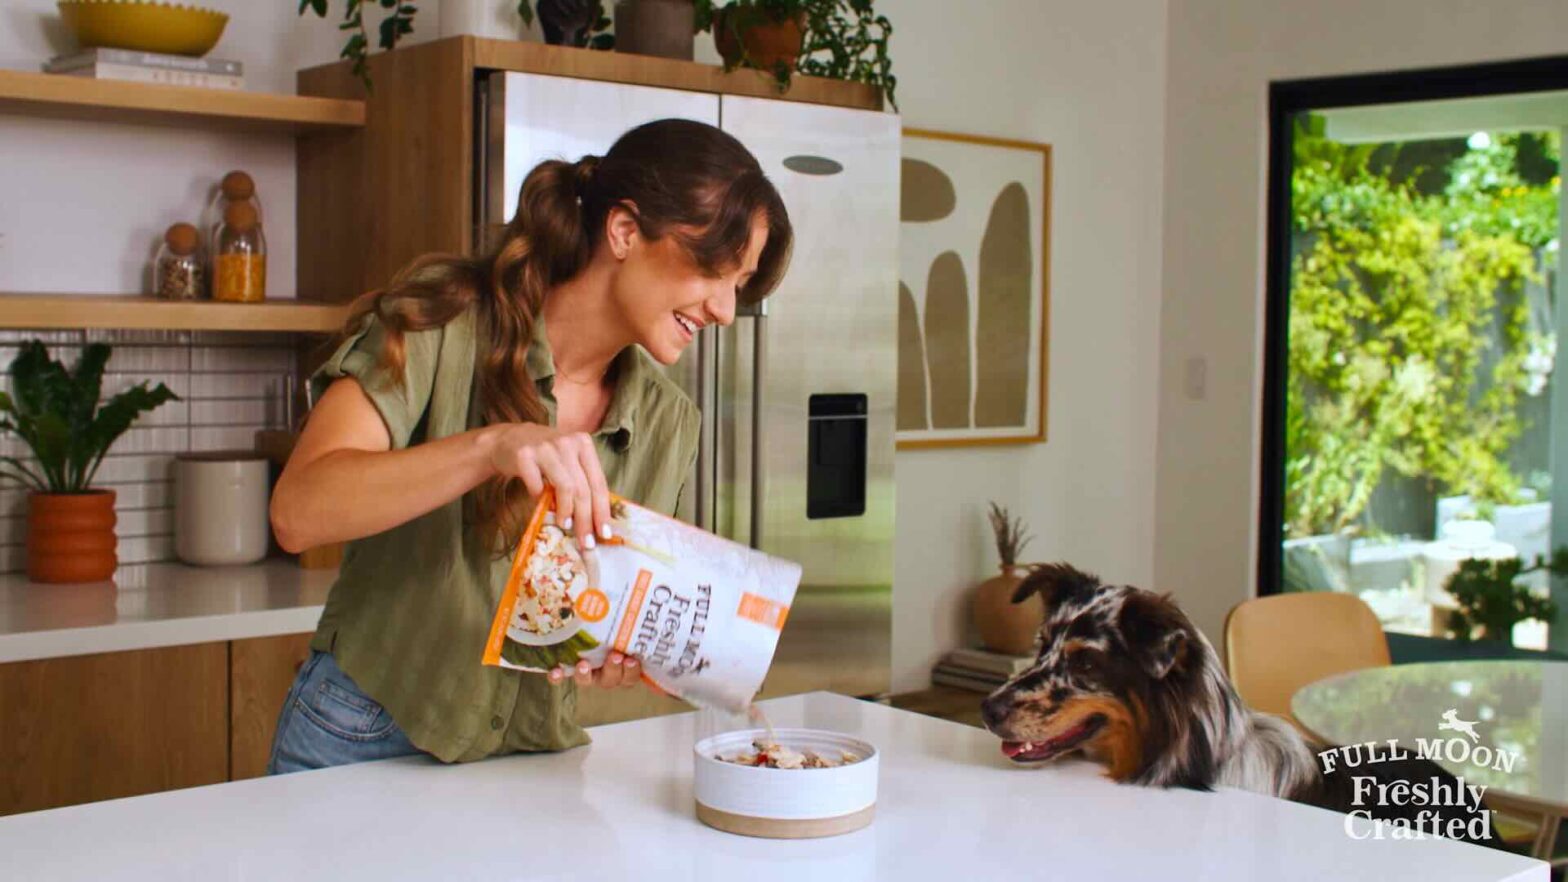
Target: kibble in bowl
[(792, 784)]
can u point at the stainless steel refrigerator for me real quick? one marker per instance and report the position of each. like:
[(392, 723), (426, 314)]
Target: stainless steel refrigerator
[(797, 396)]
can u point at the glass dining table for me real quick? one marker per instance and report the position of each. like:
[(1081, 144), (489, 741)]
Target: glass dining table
[(1502, 724)]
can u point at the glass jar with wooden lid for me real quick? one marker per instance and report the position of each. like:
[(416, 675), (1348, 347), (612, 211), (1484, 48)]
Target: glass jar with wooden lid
[(240, 258)]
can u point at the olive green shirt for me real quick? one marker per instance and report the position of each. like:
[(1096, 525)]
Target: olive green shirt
[(409, 614)]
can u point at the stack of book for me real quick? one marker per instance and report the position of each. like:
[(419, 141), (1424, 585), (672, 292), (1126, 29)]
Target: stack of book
[(150, 67), (977, 669)]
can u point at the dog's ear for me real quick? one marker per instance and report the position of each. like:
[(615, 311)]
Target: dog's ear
[(1055, 582), (1155, 631)]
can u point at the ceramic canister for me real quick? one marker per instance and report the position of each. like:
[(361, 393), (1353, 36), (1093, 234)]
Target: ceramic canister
[(220, 507)]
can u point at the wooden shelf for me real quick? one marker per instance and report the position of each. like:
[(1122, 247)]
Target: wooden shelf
[(69, 97), (646, 70), (71, 311)]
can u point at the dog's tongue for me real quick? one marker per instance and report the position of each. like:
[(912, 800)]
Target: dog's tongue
[(1011, 749)]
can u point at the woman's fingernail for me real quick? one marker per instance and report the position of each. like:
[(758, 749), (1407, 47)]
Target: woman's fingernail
[(631, 663), (567, 524), (616, 658), (588, 541), (605, 531), (584, 668)]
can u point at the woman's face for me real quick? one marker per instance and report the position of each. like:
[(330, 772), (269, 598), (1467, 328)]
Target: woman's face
[(667, 298)]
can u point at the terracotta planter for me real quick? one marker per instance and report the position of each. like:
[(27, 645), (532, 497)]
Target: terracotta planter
[(767, 43), (655, 27), (1004, 626), (70, 536)]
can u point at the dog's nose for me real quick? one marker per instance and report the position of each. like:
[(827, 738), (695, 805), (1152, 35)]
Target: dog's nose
[(993, 710)]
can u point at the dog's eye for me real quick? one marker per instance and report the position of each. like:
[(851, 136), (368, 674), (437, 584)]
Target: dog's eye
[(1081, 663)]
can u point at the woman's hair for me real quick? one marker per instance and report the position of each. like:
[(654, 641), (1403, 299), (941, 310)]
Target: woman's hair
[(682, 180)]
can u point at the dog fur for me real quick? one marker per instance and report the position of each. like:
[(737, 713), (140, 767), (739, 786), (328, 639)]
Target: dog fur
[(1124, 678)]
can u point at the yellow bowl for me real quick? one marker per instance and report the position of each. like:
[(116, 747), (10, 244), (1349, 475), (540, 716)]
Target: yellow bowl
[(143, 25)]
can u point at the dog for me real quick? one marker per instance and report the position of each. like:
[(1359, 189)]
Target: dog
[(1123, 678)]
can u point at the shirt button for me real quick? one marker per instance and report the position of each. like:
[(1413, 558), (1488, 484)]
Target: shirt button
[(496, 722)]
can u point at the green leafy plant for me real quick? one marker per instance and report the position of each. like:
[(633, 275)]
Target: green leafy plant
[(1491, 600), (1409, 334), (56, 412), (399, 23), (843, 39), (1010, 536), (598, 36)]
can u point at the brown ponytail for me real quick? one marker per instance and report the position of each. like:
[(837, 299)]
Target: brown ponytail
[(682, 179)]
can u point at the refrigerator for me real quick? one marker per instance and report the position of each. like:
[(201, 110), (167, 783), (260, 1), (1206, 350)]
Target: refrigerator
[(797, 395)]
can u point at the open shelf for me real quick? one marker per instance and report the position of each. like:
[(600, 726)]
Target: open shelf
[(70, 97), (70, 311)]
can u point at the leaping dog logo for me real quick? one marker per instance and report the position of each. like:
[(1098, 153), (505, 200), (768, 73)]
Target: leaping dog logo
[(1452, 723)]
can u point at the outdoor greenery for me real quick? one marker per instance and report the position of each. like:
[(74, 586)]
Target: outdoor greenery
[(1491, 600), (1410, 339), (55, 411)]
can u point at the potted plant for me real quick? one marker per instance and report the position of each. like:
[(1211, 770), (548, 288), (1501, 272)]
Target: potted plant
[(56, 413), (564, 22), (1491, 600), (662, 28), (837, 39), (1006, 627)]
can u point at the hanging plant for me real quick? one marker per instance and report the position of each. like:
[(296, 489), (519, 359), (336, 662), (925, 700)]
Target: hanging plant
[(558, 18)]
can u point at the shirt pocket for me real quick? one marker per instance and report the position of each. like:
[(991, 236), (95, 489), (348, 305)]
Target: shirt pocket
[(346, 712)]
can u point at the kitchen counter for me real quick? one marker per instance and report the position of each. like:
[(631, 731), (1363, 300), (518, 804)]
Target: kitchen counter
[(950, 807), (163, 604)]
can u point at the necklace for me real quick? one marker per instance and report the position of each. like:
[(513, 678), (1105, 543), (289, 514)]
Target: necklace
[(596, 381)]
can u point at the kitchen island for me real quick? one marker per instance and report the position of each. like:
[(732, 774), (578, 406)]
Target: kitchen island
[(950, 807)]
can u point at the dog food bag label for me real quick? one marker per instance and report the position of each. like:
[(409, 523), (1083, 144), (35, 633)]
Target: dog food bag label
[(701, 613)]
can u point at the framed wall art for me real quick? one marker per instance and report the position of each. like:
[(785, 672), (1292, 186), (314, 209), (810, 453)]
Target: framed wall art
[(973, 297)]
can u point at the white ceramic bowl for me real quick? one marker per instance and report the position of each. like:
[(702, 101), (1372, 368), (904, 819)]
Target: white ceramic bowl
[(786, 803)]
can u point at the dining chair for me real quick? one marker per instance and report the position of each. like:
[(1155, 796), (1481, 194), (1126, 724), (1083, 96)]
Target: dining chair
[(1277, 644)]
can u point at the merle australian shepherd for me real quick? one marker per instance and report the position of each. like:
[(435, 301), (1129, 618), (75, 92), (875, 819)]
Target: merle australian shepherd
[(1123, 678)]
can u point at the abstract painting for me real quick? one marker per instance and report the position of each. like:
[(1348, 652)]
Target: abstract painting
[(973, 302)]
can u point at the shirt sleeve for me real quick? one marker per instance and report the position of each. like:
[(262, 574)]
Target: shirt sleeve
[(400, 401)]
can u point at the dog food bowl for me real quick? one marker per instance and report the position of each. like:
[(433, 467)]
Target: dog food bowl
[(785, 803)]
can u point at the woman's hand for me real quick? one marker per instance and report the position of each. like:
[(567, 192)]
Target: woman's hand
[(540, 455), (618, 671)]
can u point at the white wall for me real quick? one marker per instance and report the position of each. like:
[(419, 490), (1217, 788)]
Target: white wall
[(1223, 54), (1088, 78)]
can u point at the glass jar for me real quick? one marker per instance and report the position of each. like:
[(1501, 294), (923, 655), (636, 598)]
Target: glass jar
[(178, 272), (236, 186), (239, 263)]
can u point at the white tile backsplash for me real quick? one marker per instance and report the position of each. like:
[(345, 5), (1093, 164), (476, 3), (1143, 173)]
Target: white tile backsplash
[(232, 384)]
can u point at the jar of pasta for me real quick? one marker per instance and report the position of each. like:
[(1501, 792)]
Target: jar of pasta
[(239, 263), (178, 272)]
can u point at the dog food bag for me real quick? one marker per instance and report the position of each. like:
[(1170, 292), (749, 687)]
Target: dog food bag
[(701, 613)]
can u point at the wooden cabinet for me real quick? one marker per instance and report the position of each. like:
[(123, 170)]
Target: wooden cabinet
[(90, 727), (261, 670)]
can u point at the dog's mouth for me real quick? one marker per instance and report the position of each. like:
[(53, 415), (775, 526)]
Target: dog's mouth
[(1038, 751)]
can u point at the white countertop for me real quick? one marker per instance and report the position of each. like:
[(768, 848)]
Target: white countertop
[(950, 807), (164, 604)]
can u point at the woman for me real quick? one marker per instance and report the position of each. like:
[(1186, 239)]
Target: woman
[(463, 389)]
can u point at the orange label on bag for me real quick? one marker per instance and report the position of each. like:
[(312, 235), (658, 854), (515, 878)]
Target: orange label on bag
[(623, 634), (592, 605), (765, 612)]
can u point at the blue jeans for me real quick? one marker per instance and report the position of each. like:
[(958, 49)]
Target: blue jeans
[(328, 721)]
